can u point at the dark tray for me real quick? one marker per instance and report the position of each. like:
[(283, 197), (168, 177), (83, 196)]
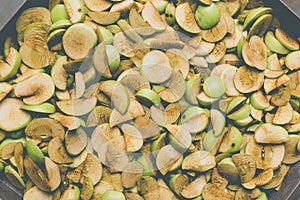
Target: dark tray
[(287, 11)]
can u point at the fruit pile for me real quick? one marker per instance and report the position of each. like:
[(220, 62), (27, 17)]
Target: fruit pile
[(124, 99)]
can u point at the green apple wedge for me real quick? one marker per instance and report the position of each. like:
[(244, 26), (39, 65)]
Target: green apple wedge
[(42, 108), (36, 89), (193, 86), (274, 45), (241, 113), (72, 192), (259, 100), (12, 175), (113, 195), (118, 94), (209, 140), (218, 121), (170, 14), (292, 60), (232, 141), (185, 18), (205, 100), (9, 68), (34, 152), (160, 5), (286, 40), (113, 56), (59, 12), (149, 97), (228, 169), (195, 119), (76, 10), (254, 15), (207, 16), (152, 16), (104, 35), (234, 103), (12, 117)]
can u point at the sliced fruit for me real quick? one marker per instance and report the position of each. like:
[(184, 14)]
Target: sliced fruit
[(232, 141), (266, 156), (9, 108), (156, 67), (259, 100), (76, 141), (228, 77), (32, 15), (39, 88), (242, 113), (166, 158), (44, 129), (5, 89), (277, 177), (152, 16), (113, 195), (72, 192), (272, 84), (255, 53), (292, 60), (34, 152), (291, 154), (85, 38), (118, 94), (53, 174), (69, 122), (214, 87), (77, 107), (261, 179), (273, 62), (174, 88), (133, 138), (246, 166), (104, 17), (139, 24), (207, 16), (57, 151), (185, 18), (180, 138), (11, 66), (58, 12), (234, 103), (271, 134), (217, 54), (255, 14), (97, 5), (227, 168), (170, 14), (194, 119), (35, 193), (42, 108), (274, 45), (178, 61), (260, 26), (217, 32), (211, 191), (194, 188), (199, 161), (75, 10), (87, 188), (218, 121), (193, 86), (13, 177), (283, 115), (248, 80), (286, 40), (129, 31), (59, 74)]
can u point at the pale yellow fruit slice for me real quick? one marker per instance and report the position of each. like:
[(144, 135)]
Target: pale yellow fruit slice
[(185, 18), (139, 24), (59, 74), (70, 122), (104, 17), (152, 16), (77, 107), (96, 5), (228, 78), (248, 80), (36, 89)]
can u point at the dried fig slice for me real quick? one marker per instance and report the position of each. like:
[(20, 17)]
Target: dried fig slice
[(95, 5), (248, 80), (75, 141), (104, 17), (291, 154), (217, 32), (185, 18), (266, 156), (11, 107), (246, 166), (57, 151), (44, 129), (139, 24), (199, 161), (32, 15), (211, 191), (255, 53), (36, 174)]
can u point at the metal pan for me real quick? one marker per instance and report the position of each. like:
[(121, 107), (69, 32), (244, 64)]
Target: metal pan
[(288, 13)]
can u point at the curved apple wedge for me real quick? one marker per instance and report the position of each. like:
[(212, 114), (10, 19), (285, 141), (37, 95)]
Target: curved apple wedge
[(12, 118), (118, 94), (152, 16), (77, 107), (42, 108), (9, 68), (36, 89)]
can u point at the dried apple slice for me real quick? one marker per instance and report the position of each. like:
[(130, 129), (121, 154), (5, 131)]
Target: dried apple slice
[(272, 84), (31, 15), (255, 14), (193, 86), (292, 60), (166, 157), (57, 151), (217, 32), (178, 61), (36, 89), (5, 88), (248, 80), (185, 18), (76, 141), (76, 10), (255, 53), (53, 174), (194, 119), (286, 40), (35, 193), (42, 108), (152, 16), (104, 17), (139, 24), (59, 74), (175, 88), (260, 26), (283, 115), (79, 40), (277, 177), (11, 66), (228, 78), (218, 121), (291, 154), (217, 53), (232, 141), (271, 134), (96, 5), (10, 108), (266, 156), (70, 122), (13, 177), (77, 107), (133, 138), (156, 67), (199, 161), (261, 179), (118, 94), (194, 188), (246, 166)]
